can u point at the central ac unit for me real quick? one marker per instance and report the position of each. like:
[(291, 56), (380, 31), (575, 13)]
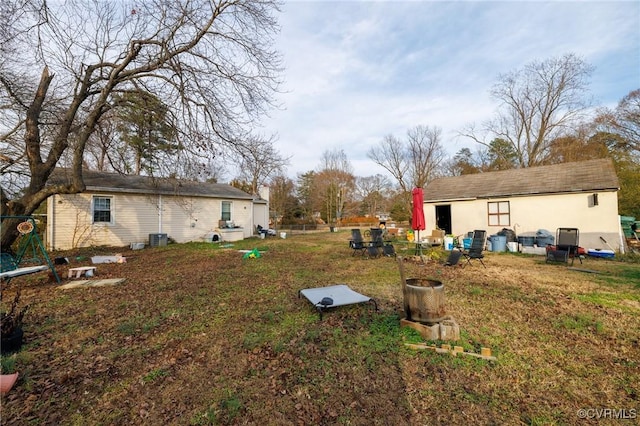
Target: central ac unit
[(157, 240)]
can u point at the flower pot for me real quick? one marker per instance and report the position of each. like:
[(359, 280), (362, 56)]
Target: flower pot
[(7, 381), (12, 342)]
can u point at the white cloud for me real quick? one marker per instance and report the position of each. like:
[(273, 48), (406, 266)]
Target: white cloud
[(357, 71)]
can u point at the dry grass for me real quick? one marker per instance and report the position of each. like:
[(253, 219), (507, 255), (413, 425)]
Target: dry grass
[(196, 335)]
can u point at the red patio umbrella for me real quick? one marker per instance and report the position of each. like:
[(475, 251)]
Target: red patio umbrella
[(417, 215)]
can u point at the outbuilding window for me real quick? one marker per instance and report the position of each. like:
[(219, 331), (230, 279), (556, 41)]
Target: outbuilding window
[(102, 210), (499, 213)]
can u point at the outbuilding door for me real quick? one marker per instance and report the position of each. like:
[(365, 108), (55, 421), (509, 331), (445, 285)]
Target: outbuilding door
[(443, 217)]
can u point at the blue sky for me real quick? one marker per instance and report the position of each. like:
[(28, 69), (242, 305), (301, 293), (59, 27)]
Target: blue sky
[(359, 70)]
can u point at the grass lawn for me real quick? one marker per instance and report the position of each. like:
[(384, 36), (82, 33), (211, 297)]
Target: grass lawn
[(198, 335)]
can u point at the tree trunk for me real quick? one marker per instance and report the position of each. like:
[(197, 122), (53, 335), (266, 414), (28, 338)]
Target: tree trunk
[(40, 171)]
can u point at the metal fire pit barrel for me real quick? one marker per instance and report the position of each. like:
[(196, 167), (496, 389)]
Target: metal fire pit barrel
[(425, 300)]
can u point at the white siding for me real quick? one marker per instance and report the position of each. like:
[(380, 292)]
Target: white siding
[(135, 217)]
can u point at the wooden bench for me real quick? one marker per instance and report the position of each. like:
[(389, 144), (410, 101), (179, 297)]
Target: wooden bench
[(88, 271), (9, 267)]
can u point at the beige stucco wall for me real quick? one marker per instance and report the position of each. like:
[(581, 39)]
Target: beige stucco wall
[(261, 215), (529, 214), (135, 217), (261, 210)]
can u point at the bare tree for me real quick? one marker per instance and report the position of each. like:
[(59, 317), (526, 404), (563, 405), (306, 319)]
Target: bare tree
[(282, 200), (61, 63), (539, 103), (624, 120), (372, 192), (333, 184), (104, 151), (425, 154), (584, 144), (413, 163), (391, 155), (259, 160)]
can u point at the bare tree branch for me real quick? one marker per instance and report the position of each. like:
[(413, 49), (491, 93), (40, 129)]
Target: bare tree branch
[(537, 104), (259, 161), (211, 62)]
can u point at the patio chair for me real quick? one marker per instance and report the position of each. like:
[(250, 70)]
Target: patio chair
[(454, 257), (477, 246), (376, 237), (373, 251), (567, 243), (376, 245), (356, 243)]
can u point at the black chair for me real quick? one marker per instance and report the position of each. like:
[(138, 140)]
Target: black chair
[(389, 250), (373, 251), (454, 257), (376, 237), (477, 246), (376, 245), (567, 243), (356, 243)]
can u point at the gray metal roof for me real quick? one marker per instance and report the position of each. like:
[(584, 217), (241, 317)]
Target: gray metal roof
[(582, 176), (113, 182)]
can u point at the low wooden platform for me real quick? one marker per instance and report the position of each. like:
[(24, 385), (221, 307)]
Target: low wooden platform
[(91, 283), (82, 270)]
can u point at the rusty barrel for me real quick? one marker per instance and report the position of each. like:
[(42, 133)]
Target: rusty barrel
[(425, 300)]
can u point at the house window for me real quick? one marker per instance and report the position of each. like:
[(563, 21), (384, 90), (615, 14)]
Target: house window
[(226, 210), (102, 210), (499, 213)]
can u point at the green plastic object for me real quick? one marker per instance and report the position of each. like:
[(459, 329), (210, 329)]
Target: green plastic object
[(253, 254)]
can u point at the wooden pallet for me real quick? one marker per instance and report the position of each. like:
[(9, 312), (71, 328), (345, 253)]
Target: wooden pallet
[(485, 353)]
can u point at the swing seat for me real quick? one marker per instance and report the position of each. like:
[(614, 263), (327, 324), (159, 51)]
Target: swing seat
[(9, 267)]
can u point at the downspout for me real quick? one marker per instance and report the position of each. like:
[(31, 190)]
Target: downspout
[(50, 224), (252, 219), (623, 241), (160, 213)]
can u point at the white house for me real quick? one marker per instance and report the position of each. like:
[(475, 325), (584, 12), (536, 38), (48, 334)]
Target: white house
[(117, 210), (579, 195)]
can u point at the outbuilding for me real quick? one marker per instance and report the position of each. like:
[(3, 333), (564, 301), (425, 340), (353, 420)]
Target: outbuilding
[(581, 195)]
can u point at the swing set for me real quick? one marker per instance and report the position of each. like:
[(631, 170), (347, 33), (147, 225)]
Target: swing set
[(28, 242)]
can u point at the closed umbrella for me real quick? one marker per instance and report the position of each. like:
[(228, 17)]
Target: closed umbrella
[(417, 215)]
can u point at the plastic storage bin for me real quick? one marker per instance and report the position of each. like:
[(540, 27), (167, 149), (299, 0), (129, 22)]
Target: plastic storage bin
[(498, 243)]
